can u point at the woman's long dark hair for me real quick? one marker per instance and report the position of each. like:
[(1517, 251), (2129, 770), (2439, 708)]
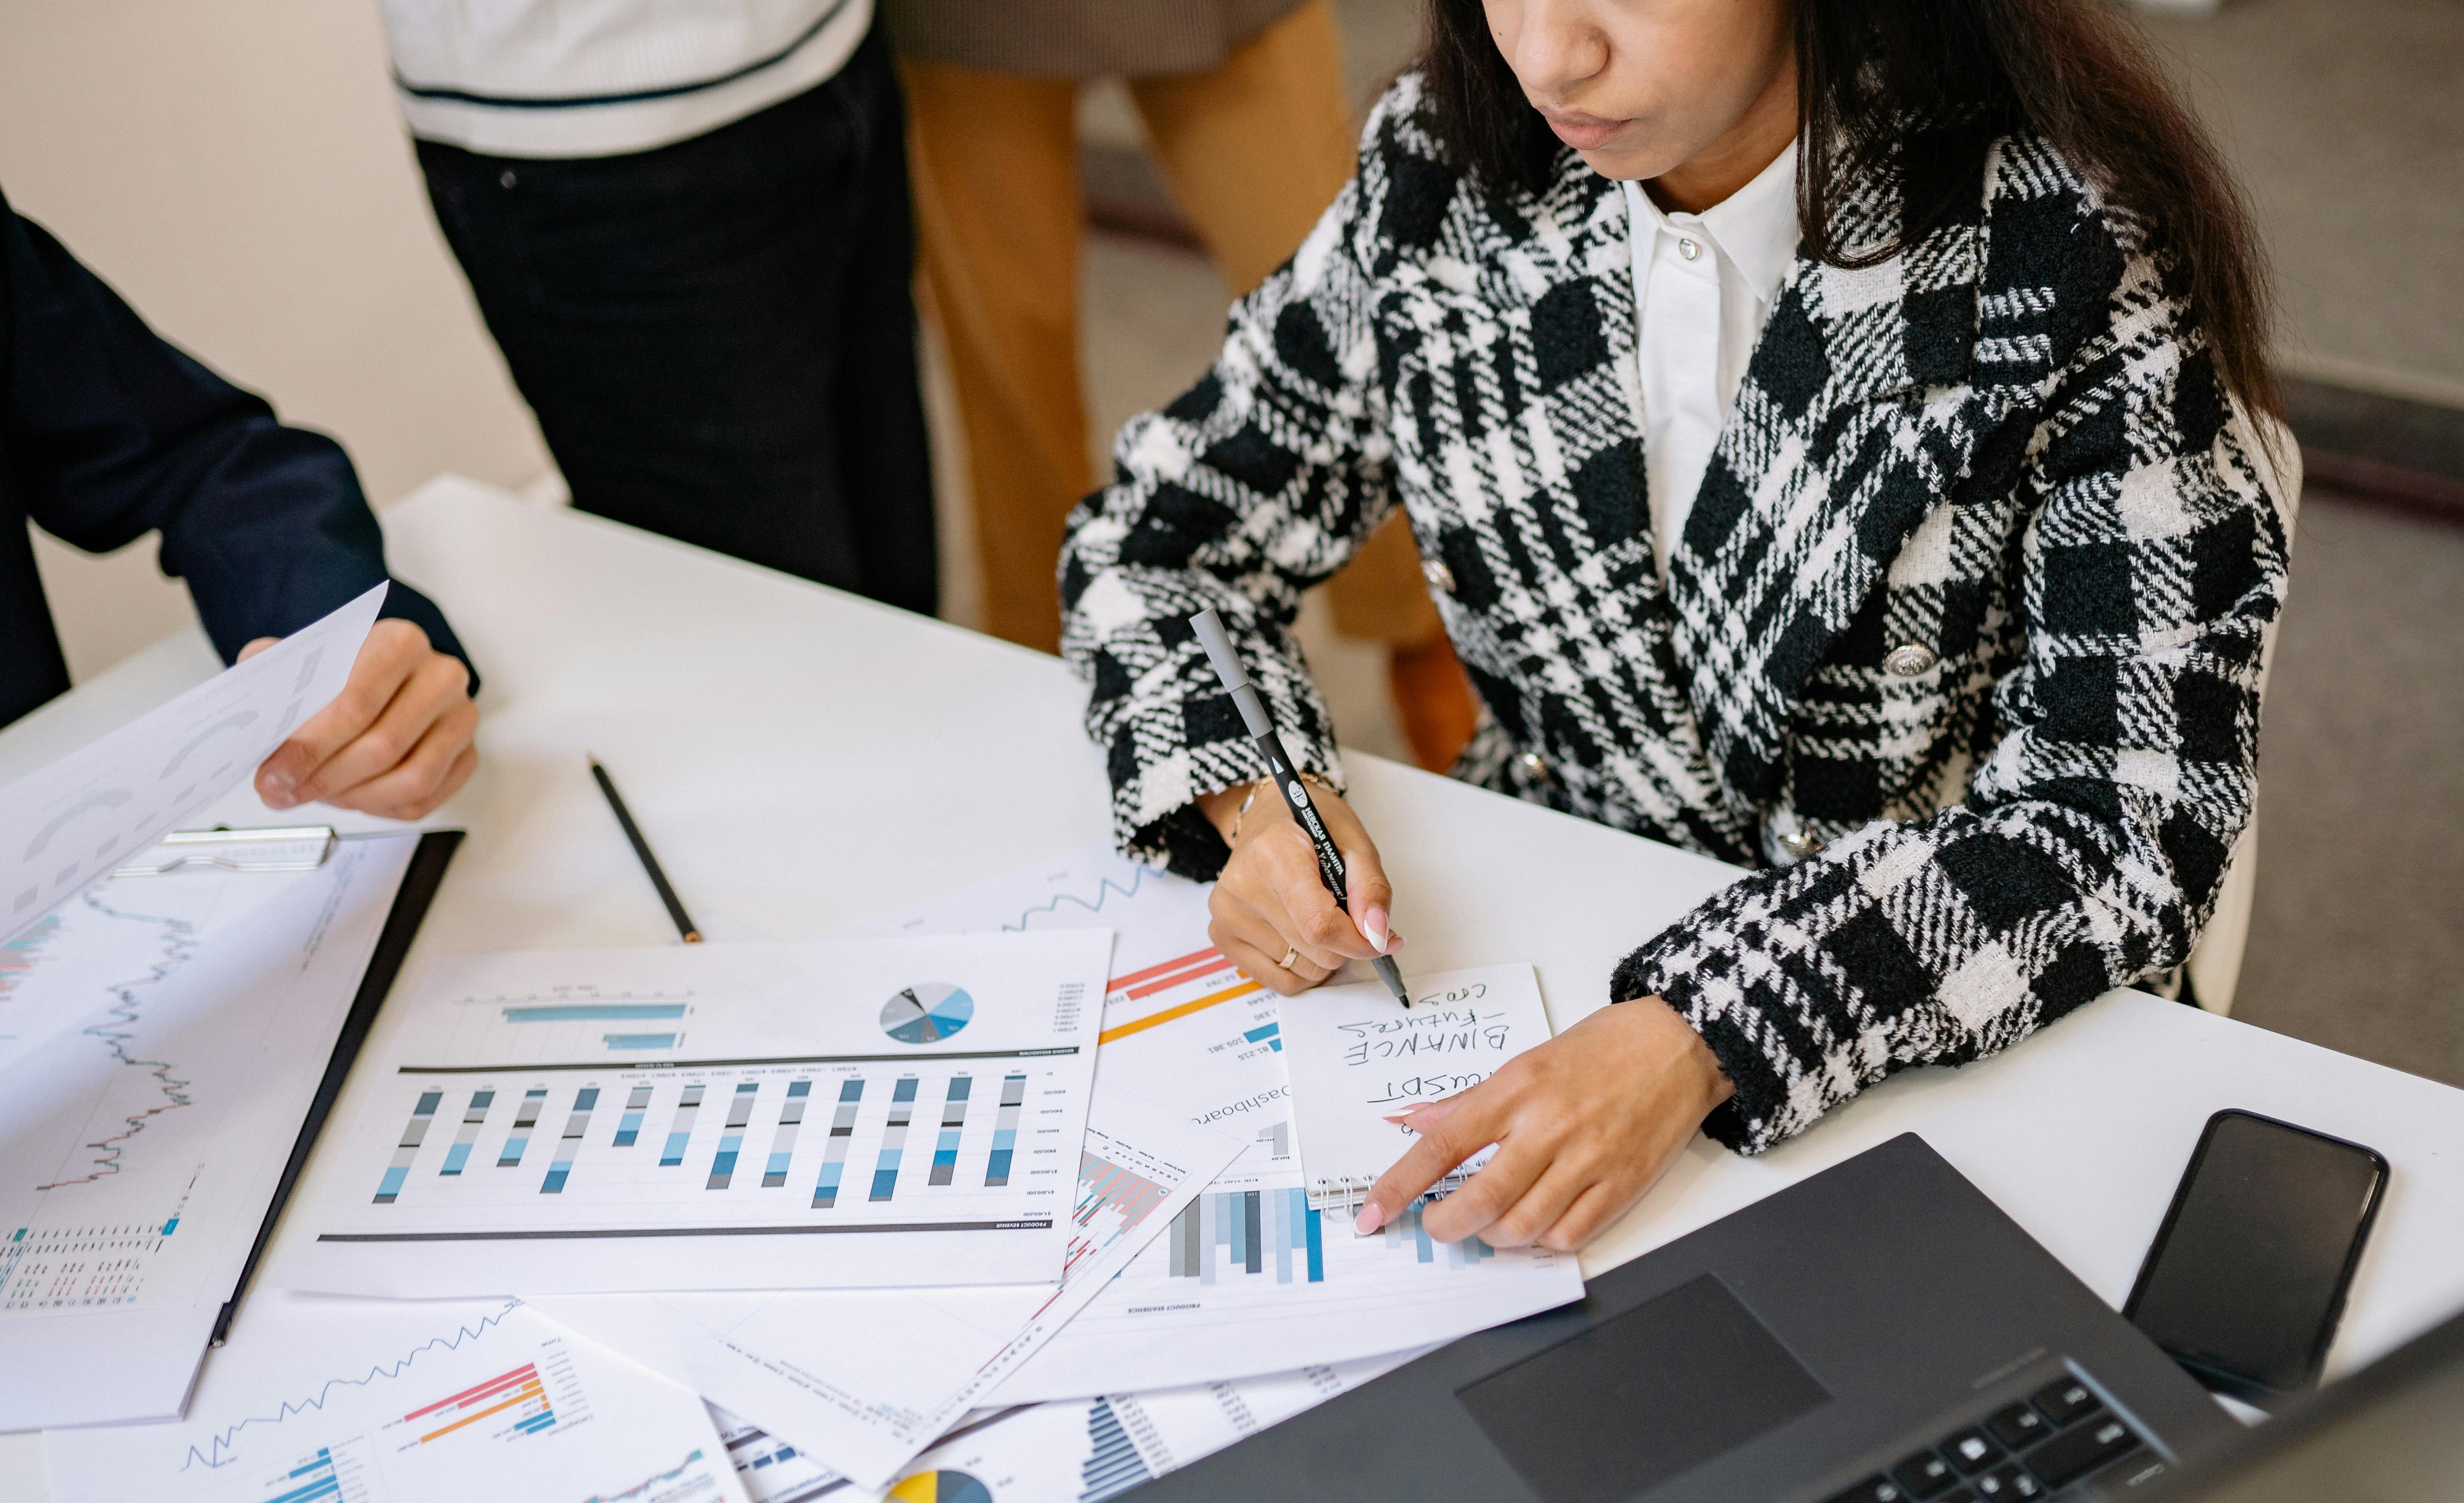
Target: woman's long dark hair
[(2073, 71)]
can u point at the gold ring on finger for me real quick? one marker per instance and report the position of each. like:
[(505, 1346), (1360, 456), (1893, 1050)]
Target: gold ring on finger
[(1291, 952)]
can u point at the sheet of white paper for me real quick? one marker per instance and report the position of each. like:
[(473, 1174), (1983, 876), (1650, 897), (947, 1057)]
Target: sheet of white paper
[(317, 1401), (1358, 1057), (77, 818), (142, 1144), (863, 1381), (1204, 1302), (702, 1117)]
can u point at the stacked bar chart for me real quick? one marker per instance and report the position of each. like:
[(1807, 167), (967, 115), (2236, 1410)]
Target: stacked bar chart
[(525, 1118), (731, 1144), (1006, 1132), (954, 1118), (575, 1126), (782, 1142), (474, 1117), (423, 1117), (825, 1189)]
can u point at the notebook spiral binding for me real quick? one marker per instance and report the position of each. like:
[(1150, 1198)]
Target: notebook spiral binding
[(1346, 1192)]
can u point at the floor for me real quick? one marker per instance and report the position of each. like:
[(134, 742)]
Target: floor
[(2356, 940)]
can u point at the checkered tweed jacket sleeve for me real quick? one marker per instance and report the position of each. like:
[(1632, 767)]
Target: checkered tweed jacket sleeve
[(1959, 650)]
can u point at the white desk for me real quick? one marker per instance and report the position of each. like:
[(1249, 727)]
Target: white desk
[(802, 760)]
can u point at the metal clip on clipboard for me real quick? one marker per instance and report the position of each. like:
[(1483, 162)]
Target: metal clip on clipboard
[(296, 848)]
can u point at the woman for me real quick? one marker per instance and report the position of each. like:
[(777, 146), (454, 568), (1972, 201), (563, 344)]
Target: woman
[(1914, 548)]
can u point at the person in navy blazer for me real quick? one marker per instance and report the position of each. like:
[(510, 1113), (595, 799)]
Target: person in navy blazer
[(108, 432)]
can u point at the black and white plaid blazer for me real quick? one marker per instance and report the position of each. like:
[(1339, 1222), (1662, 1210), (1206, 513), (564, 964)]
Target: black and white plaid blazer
[(1960, 648)]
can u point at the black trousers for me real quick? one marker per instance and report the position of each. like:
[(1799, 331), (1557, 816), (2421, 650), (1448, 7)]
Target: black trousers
[(718, 337)]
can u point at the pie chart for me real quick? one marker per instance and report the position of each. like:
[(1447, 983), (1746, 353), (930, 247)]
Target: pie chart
[(926, 1013), (941, 1487)]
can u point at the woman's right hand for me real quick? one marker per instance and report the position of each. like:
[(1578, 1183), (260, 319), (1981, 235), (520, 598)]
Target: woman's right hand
[(1271, 903)]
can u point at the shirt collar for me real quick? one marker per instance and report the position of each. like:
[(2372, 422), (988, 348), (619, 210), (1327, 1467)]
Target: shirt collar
[(1755, 227)]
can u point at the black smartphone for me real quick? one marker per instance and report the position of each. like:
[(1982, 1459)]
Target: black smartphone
[(2246, 1279)]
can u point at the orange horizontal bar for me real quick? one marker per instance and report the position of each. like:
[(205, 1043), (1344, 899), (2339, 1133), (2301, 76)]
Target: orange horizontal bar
[(523, 1397), (1155, 1019)]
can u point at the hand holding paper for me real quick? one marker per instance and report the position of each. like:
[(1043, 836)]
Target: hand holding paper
[(395, 742)]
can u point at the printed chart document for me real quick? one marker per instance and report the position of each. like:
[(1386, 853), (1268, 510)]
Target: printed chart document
[(774, 1471), (1249, 1279), (862, 1381), (1358, 1057), (714, 1117), (357, 1402), (1087, 1449), (184, 1022), (78, 818)]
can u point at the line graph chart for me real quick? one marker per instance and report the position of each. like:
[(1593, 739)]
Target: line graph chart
[(119, 1030), (482, 1402)]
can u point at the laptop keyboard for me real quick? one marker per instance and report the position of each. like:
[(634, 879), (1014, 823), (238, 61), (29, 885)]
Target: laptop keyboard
[(2018, 1454)]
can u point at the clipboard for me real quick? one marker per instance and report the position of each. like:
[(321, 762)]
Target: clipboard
[(411, 902)]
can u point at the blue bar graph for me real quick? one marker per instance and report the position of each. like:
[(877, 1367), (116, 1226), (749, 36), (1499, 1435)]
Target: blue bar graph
[(731, 1140), (595, 1013), (825, 1189), (893, 1139), (629, 1127), (533, 1102), (638, 1040), (1005, 1129), (1267, 1030), (584, 1102), (412, 1136), (680, 1131), (954, 1120), (782, 1144), (473, 1116), (313, 1478), (1248, 1232)]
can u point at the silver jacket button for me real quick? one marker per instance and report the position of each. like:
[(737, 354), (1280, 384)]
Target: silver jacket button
[(1534, 766), (1909, 660), (1801, 843), (1439, 575)]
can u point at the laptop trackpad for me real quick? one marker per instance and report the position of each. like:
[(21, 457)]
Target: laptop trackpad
[(1643, 1397)]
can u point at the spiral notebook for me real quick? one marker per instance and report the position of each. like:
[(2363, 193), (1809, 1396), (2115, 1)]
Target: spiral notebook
[(1356, 1058)]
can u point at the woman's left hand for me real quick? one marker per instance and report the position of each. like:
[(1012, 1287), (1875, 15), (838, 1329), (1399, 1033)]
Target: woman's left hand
[(1584, 1125)]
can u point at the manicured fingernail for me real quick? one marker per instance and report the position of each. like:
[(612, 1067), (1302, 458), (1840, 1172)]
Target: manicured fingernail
[(1370, 1219), (1400, 1116), (1372, 929)]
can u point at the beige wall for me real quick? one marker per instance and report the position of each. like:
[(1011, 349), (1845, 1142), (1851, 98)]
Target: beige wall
[(237, 170)]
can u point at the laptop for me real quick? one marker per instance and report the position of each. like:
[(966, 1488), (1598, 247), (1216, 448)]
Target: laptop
[(1879, 1333)]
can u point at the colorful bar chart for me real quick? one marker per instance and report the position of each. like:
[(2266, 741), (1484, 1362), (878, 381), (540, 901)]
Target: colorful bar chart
[(1405, 1234), (893, 1139), (1268, 1034), (1214, 978), (1248, 1233), (313, 1478), (954, 1120), (472, 1116), (1005, 1129), (519, 1395), (680, 1131), (825, 1189), (412, 1136), (731, 1139), (518, 1142), (782, 1142), (585, 1103), (629, 1127)]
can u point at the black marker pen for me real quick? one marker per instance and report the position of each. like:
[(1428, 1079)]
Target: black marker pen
[(1262, 734)]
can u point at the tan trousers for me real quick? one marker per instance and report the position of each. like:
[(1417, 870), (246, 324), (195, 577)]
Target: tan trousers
[(1253, 152)]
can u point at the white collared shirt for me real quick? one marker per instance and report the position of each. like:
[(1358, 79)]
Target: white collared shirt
[(1702, 289)]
